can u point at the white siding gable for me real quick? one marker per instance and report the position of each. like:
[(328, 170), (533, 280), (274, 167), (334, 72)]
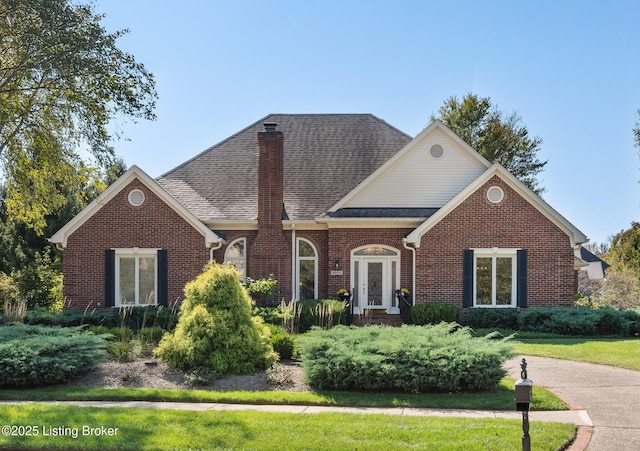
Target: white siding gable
[(415, 179)]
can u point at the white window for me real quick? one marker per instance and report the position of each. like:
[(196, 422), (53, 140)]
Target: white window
[(307, 270), (236, 254), (495, 278), (136, 277)]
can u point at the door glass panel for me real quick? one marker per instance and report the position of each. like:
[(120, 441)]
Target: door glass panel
[(307, 279), (147, 280), (483, 280), (504, 282), (127, 280), (394, 300), (374, 283), (375, 251)]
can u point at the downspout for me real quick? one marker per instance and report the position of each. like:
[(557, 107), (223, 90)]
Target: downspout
[(211, 249), (413, 272), (293, 261)]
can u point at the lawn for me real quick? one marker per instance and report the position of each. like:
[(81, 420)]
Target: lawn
[(64, 427), (622, 353), (499, 399)]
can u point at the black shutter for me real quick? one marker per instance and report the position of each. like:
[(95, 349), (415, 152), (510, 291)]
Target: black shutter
[(522, 278), (163, 279), (467, 279), (109, 278)]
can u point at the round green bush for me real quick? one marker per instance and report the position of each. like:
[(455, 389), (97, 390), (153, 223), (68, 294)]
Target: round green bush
[(434, 313), (32, 356), (216, 331), (283, 343)]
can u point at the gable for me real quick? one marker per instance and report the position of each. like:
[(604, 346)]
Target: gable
[(520, 189), (127, 179), (427, 173)]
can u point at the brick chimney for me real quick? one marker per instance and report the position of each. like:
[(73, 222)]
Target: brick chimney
[(270, 252), (270, 177)]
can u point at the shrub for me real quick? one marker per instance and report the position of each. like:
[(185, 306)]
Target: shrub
[(441, 357), (283, 343), (271, 314), (434, 313), (151, 335), (559, 320), (134, 318), (122, 351), (264, 289), (323, 313), (38, 355), (486, 318), (215, 331)]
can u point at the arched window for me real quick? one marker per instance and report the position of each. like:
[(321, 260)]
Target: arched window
[(306, 270), (236, 254)]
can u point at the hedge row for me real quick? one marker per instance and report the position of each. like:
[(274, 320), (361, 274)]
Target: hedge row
[(439, 358), (134, 318), (577, 321), (39, 355)]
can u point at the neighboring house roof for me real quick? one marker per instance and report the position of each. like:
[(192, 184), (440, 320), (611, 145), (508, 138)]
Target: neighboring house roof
[(134, 172), (591, 263), (325, 157)]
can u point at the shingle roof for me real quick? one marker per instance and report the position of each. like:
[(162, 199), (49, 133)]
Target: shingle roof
[(325, 157), (590, 257)]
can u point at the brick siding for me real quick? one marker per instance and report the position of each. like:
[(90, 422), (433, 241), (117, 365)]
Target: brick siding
[(512, 223), (118, 224)]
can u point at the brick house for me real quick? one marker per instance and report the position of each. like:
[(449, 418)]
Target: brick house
[(324, 202)]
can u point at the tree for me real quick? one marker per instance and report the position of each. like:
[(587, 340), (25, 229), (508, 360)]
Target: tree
[(497, 137), (63, 85), (636, 132), (216, 332)]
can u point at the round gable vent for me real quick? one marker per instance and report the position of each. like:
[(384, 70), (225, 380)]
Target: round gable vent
[(136, 197), (436, 151), (495, 194)]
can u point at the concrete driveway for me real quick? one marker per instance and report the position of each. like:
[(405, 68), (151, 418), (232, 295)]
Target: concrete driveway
[(611, 397)]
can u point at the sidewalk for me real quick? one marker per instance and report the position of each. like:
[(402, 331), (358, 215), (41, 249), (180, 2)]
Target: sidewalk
[(577, 417)]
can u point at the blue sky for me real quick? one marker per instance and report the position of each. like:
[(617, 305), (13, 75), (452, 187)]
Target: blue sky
[(569, 68)]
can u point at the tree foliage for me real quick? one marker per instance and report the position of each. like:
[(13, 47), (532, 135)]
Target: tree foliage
[(624, 252), (216, 332), (636, 132), (496, 136), (63, 83)]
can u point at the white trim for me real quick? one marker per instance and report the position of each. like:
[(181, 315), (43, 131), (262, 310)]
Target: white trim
[(389, 286), (61, 236), (136, 202), (136, 254), (497, 190), (575, 235), (494, 254)]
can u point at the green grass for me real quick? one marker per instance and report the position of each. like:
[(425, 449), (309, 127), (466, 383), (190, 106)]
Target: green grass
[(499, 399), (166, 429), (622, 353)]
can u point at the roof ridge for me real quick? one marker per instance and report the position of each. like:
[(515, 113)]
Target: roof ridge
[(228, 138)]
